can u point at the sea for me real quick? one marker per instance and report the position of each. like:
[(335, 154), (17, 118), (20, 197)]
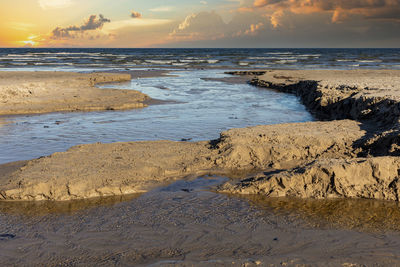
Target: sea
[(88, 59), (197, 108)]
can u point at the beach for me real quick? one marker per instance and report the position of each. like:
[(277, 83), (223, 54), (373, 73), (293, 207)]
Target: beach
[(317, 159), (281, 194)]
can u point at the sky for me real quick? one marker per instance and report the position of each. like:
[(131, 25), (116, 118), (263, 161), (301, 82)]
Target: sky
[(200, 23)]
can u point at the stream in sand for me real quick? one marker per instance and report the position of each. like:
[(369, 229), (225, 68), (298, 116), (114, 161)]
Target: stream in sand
[(199, 110), (185, 223)]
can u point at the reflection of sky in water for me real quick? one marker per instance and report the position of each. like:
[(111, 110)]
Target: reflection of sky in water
[(205, 109)]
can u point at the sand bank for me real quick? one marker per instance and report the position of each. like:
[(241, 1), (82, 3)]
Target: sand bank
[(328, 159), (371, 97), (87, 171), (42, 92)]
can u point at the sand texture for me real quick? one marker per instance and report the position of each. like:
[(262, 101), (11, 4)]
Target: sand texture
[(94, 170), (43, 92), (355, 157)]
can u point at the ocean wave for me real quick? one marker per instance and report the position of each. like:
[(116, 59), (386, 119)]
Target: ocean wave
[(279, 53), (259, 58), (18, 55), (160, 62), (46, 63), (179, 64), (194, 60), (310, 55), (66, 53), (286, 61), (370, 61)]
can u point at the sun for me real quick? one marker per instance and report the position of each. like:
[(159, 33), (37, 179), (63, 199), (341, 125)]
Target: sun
[(32, 41)]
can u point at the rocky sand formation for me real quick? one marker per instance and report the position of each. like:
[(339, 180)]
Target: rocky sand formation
[(352, 153), (370, 97), (42, 92)]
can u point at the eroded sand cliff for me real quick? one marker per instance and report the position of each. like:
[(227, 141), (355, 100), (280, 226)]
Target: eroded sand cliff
[(354, 157), (369, 97)]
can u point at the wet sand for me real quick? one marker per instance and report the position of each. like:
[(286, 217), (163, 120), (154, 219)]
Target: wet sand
[(185, 224)]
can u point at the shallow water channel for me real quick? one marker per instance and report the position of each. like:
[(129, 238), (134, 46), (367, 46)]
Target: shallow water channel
[(198, 109)]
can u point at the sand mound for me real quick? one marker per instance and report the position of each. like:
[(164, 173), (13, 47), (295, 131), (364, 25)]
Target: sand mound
[(42, 92)]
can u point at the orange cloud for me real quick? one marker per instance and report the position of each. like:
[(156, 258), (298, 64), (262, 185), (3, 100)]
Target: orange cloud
[(340, 10), (245, 9), (135, 14)]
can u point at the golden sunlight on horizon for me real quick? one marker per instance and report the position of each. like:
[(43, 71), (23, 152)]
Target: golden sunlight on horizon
[(195, 23)]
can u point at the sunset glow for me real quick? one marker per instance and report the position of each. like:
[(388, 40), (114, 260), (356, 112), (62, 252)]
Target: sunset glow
[(218, 23)]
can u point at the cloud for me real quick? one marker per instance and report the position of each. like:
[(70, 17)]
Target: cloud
[(94, 22), (340, 10), (200, 26), (210, 26), (204, 2), (53, 4), (161, 9), (135, 15), (254, 28), (120, 24)]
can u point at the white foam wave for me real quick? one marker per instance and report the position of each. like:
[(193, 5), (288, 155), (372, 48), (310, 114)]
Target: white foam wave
[(370, 61), (286, 61), (160, 62), (279, 53), (179, 64)]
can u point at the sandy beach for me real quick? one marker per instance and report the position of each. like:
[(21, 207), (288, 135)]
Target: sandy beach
[(323, 192), (43, 92), (354, 158)]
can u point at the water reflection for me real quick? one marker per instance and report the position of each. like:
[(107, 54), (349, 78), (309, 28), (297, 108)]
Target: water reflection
[(357, 214), (42, 208)]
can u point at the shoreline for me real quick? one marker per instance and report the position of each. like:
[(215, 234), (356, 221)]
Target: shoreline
[(324, 159)]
